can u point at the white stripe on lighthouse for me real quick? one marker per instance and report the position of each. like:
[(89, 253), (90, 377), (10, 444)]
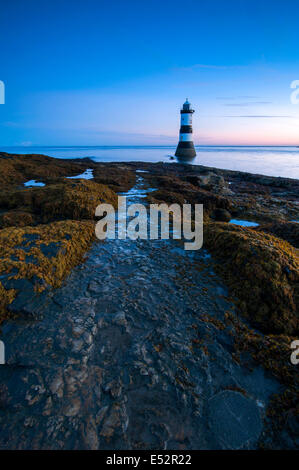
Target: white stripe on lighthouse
[(186, 137), (186, 119)]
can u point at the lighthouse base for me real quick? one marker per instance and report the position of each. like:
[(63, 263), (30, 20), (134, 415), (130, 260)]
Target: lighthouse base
[(185, 150)]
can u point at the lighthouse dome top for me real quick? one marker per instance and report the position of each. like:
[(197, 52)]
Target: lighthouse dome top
[(186, 105), (186, 109)]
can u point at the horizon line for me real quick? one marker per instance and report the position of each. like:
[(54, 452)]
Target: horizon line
[(146, 145)]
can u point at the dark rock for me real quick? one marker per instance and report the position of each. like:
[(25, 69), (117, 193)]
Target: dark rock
[(234, 419), (221, 215), (27, 301), (51, 250), (288, 231)]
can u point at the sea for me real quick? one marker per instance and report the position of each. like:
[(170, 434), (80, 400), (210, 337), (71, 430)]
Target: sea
[(271, 161)]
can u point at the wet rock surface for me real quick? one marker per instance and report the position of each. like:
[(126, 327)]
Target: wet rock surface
[(130, 353), (142, 347), (235, 419), (259, 198)]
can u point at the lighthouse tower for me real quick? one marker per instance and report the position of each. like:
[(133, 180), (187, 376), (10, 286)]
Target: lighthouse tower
[(185, 146)]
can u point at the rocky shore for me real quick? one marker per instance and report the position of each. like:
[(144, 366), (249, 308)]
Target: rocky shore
[(123, 344)]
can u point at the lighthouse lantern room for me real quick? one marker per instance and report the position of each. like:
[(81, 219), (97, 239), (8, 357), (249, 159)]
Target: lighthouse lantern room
[(185, 148)]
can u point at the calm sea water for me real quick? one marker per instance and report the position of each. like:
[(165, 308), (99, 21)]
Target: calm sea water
[(273, 161)]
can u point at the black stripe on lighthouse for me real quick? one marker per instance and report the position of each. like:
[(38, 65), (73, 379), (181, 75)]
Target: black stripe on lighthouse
[(186, 130), (187, 111), (185, 145)]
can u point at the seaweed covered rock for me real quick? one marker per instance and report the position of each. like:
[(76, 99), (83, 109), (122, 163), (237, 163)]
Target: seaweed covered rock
[(16, 169), (288, 231), (16, 218), (170, 197), (170, 183), (221, 215), (35, 258), (75, 199), (211, 182), (67, 199), (190, 195), (118, 177), (263, 272)]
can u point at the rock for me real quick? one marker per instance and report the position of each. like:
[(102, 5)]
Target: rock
[(116, 422), (89, 434), (235, 420), (117, 177), (94, 287), (120, 319), (56, 386), (16, 218), (100, 415), (73, 407), (77, 345), (27, 303), (51, 249), (78, 331), (34, 394), (48, 408), (114, 387), (209, 181), (177, 371), (221, 215), (288, 231), (23, 277), (269, 296)]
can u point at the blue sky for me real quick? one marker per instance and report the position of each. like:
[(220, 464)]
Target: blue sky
[(104, 73)]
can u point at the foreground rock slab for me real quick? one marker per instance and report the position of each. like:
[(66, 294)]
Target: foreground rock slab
[(130, 353)]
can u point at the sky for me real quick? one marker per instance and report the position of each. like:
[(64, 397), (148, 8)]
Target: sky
[(95, 72)]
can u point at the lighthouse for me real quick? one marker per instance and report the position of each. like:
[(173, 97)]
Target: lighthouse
[(185, 148)]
